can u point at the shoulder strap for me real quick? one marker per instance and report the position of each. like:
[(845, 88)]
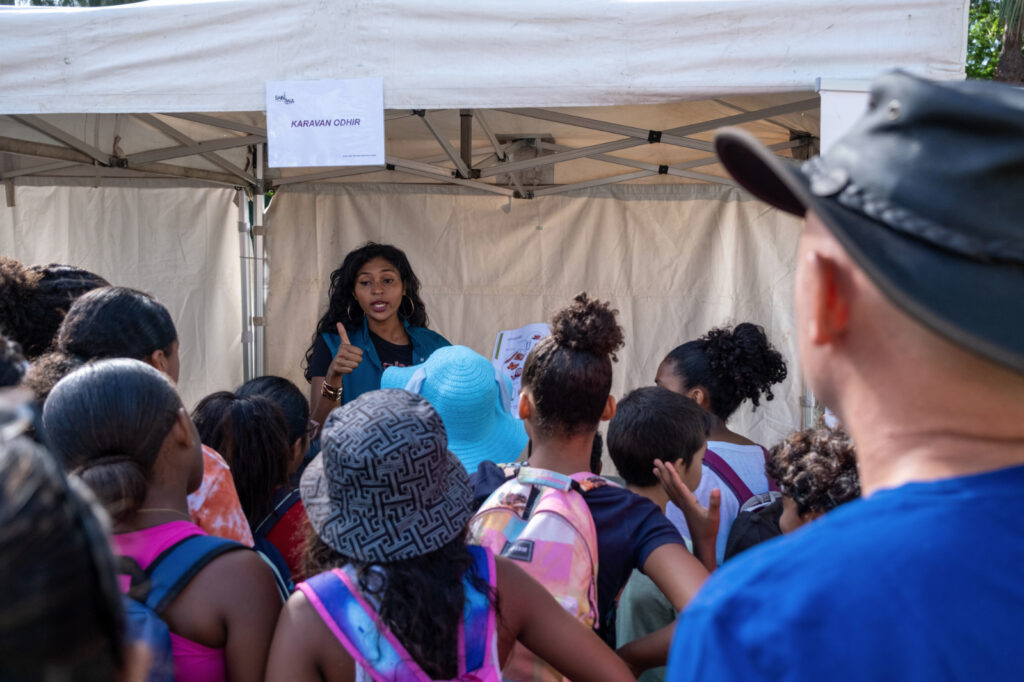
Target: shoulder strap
[(478, 620), (354, 623), (725, 472), (175, 567), (277, 513), (772, 485), (543, 477)]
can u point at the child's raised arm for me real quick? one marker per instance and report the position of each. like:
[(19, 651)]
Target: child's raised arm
[(530, 614)]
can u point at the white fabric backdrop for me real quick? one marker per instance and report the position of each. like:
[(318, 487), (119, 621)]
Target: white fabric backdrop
[(179, 244), (674, 260)]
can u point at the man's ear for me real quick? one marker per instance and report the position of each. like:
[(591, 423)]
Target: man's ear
[(609, 409), (829, 298)]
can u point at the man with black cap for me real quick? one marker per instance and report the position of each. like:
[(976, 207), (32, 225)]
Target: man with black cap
[(910, 315)]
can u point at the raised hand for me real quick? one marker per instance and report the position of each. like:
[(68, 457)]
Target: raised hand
[(702, 521), (345, 360)]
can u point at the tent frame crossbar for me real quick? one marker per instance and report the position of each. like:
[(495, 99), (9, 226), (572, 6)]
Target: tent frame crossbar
[(180, 137), (69, 140), (76, 157), (77, 153)]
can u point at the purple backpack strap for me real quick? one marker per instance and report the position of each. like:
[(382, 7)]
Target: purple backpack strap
[(772, 485), (731, 479), (355, 624)]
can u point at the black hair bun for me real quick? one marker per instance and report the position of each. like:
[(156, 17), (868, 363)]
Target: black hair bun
[(588, 325), (746, 357)]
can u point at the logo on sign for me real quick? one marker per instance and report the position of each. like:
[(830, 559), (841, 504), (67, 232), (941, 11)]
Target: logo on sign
[(283, 98)]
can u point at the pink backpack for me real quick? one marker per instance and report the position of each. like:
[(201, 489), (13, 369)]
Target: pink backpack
[(354, 622), (541, 520)]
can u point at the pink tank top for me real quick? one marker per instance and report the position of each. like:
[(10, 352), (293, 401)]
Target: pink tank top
[(193, 662)]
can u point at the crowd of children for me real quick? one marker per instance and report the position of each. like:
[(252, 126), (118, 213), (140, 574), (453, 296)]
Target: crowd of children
[(389, 487), (409, 527)]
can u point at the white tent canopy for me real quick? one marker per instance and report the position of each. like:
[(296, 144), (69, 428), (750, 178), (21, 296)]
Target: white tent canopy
[(215, 56), (146, 116)]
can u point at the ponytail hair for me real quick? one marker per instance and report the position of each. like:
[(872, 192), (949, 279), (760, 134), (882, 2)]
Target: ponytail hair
[(569, 374), (107, 422), (251, 434), (286, 396), (733, 365), (116, 322)]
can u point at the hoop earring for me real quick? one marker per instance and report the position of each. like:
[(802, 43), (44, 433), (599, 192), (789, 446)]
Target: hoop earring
[(412, 304), (348, 309)]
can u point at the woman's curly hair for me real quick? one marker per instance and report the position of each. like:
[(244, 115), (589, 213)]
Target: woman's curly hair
[(569, 374), (732, 364), (342, 305), (817, 468), (34, 300), (421, 600)]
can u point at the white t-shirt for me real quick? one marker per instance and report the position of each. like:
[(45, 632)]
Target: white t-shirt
[(748, 463)]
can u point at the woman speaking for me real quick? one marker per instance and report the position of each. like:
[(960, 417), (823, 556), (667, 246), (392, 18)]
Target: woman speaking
[(375, 319)]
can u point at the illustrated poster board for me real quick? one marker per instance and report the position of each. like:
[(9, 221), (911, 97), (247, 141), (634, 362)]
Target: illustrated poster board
[(510, 350), (325, 123)]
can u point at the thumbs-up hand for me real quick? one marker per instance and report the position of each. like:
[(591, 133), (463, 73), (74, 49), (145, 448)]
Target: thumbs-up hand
[(345, 360)]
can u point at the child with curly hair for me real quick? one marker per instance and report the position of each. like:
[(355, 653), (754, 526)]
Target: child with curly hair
[(816, 471), (720, 371)]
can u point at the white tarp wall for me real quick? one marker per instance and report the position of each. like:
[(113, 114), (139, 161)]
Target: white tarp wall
[(674, 260), (179, 244)]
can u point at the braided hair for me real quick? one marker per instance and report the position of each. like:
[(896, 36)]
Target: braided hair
[(569, 374), (733, 365), (34, 300)]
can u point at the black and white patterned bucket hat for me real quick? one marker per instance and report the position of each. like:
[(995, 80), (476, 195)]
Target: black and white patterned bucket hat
[(384, 486)]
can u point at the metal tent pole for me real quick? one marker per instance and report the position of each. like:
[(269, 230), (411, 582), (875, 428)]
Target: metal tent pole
[(259, 261), (245, 253)]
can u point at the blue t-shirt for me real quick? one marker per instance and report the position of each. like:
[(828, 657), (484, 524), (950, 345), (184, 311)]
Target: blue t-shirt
[(921, 582)]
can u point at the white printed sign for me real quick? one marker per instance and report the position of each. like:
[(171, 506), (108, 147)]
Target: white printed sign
[(325, 123), (510, 350)]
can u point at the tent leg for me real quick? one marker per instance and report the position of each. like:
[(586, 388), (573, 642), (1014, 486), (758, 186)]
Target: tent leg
[(245, 253), (260, 293)]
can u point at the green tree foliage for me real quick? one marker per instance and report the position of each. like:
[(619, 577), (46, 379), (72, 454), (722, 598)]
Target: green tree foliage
[(984, 39)]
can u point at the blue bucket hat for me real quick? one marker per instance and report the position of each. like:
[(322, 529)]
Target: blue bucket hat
[(472, 399)]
